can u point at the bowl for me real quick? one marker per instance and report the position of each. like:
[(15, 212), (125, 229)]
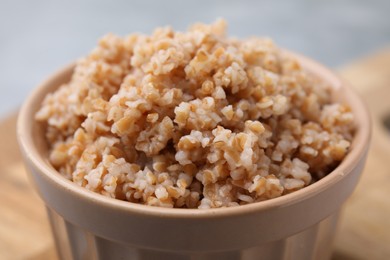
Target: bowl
[(299, 225)]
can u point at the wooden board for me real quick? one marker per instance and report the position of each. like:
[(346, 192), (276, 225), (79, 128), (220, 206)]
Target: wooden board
[(24, 229), (364, 230)]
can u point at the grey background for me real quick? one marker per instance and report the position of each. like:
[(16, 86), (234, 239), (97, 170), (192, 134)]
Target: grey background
[(38, 37)]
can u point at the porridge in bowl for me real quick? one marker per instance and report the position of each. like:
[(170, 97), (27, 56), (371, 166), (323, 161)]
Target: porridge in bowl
[(194, 120)]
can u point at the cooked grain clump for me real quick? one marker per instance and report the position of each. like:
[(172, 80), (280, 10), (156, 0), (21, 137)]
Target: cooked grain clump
[(193, 120)]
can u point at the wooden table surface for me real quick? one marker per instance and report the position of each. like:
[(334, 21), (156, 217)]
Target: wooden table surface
[(364, 230)]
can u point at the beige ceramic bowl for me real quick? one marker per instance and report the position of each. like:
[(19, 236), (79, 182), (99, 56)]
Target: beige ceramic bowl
[(87, 225)]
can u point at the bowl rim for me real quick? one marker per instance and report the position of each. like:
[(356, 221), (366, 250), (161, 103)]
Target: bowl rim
[(359, 146)]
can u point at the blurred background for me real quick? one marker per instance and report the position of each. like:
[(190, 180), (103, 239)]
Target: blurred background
[(38, 37)]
